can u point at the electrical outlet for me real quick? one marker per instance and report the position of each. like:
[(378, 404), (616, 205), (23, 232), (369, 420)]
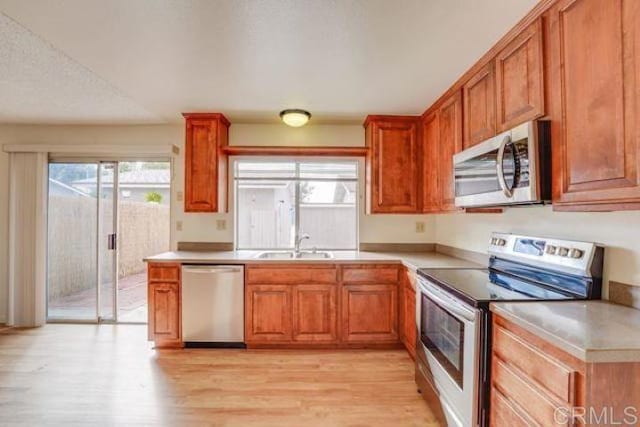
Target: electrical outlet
[(419, 227), (179, 225), (221, 224), (179, 196)]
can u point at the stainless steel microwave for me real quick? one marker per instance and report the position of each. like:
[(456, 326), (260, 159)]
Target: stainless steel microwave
[(512, 168)]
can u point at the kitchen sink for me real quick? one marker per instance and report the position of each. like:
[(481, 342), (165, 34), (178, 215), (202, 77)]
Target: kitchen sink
[(314, 255), (276, 255), (293, 255)]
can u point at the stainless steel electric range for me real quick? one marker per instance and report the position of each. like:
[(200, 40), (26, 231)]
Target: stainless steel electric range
[(454, 321)]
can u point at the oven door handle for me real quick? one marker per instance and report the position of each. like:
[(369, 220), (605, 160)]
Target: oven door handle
[(500, 167), (455, 308)]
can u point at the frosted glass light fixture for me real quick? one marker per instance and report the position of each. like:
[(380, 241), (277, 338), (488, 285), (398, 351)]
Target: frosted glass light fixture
[(295, 117)]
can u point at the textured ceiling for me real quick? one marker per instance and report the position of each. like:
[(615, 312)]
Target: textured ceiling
[(140, 61)]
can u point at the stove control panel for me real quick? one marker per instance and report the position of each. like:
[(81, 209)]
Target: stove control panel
[(572, 256)]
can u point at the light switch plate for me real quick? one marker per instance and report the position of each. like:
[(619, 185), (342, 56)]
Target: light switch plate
[(221, 224), (179, 196), (179, 225), (419, 227)]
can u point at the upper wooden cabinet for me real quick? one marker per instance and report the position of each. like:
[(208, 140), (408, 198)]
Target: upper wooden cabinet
[(431, 162), (205, 175), (479, 106), (392, 164), (450, 127), (594, 51), (520, 79)]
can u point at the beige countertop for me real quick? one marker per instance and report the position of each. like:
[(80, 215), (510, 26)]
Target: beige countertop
[(412, 260), (592, 331)]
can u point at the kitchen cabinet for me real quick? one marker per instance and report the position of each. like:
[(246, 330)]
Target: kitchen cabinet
[(268, 313), (450, 127), (520, 79), (164, 315), (594, 57), (408, 313), (479, 106), (531, 379), (205, 175), (430, 162), (369, 313), (392, 164), (315, 313), (321, 305)]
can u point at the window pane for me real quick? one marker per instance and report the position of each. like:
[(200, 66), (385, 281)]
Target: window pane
[(325, 170), (264, 169), (266, 214), (328, 214)]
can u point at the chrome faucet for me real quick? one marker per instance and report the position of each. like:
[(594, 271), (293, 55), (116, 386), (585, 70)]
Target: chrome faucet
[(299, 239)]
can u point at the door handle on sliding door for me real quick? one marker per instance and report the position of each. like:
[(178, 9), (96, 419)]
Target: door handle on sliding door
[(111, 242)]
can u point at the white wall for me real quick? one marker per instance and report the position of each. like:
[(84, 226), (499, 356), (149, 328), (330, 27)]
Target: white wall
[(618, 231)]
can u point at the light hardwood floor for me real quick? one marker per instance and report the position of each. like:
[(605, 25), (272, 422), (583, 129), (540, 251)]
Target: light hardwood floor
[(109, 375)]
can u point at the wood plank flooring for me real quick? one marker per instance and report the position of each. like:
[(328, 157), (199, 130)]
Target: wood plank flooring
[(77, 375)]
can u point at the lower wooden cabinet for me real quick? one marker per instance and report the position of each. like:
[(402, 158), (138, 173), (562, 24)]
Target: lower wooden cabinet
[(268, 313), (408, 314), (535, 383), (315, 313), (163, 294), (369, 313), (321, 305)]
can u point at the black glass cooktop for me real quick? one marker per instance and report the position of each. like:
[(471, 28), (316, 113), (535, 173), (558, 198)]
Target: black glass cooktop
[(478, 287)]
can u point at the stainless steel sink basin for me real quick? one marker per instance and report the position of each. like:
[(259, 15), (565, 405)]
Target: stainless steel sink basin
[(314, 255), (276, 255), (292, 255)]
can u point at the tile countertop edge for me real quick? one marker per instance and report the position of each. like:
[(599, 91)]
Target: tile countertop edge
[(587, 355)]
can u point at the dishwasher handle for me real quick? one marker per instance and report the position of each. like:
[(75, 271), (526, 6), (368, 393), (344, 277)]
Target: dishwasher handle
[(212, 269)]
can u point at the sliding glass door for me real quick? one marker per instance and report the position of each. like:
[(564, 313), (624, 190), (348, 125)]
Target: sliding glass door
[(82, 251)]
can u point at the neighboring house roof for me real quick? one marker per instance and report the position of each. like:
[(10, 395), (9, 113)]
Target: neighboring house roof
[(62, 188), (137, 178)]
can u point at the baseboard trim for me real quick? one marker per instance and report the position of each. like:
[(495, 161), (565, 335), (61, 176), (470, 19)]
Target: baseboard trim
[(205, 246), (397, 247), (465, 254)]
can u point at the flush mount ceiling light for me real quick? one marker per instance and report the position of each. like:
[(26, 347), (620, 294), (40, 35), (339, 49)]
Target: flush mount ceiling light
[(294, 117)]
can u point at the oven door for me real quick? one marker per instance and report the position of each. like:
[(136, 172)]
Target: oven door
[(448, 355), (499, 171)]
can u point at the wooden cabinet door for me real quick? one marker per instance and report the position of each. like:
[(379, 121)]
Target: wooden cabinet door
[(314, 313), (268, 313), (519, 79), (430, 162), (369, 313), (450, 126), (164, 313), (594, 51), (205, 164), (479, 107), (393, 167), (409, 318)]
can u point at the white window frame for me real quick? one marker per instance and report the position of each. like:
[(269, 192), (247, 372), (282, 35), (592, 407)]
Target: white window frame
[(297, 160)]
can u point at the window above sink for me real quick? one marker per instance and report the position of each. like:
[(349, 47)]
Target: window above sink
[(305, 205)]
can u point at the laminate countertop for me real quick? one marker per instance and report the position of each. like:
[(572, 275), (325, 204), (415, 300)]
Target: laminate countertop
[(592, 331), (412, 260)]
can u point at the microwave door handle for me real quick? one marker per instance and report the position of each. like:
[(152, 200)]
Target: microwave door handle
[(500, 169)]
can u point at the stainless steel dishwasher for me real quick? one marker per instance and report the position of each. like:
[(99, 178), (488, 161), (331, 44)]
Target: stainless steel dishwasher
[(213, 305)]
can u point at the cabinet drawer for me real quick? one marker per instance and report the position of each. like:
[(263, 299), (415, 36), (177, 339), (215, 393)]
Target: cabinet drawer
[(503, 412), (164, 272), (517, 388), (292, 274), (553, 376), (370, 274)]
